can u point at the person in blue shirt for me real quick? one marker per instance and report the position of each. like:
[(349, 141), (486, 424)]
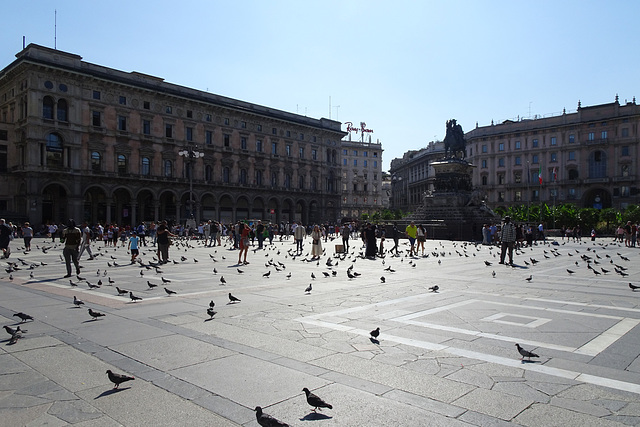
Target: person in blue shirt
[(134, 242)]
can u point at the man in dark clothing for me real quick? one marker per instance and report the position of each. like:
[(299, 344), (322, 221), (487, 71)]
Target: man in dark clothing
[(72, 237), (395, 234), (370, 239), (260, 233), (5, 238), (162, 233), (507, 239)]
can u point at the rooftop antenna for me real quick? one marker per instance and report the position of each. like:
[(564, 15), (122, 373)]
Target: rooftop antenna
[(329, 107), (55, 29), (337, 107), (24, 38)]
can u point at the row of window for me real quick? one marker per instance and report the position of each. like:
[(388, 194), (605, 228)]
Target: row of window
[(591, 136), (553, 157), (345, 152), (595, 171), (365, 163), (122, 167), (168, 109)]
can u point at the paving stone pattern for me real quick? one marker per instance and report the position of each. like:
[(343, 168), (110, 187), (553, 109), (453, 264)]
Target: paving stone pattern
[(444, 358)]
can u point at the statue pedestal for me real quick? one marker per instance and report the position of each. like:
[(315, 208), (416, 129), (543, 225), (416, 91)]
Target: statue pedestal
[(453, 210)]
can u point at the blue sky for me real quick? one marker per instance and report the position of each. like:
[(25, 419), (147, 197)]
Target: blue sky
[(403, 67)]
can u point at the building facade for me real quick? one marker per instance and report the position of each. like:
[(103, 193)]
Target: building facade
[(362, 190), (412, 176), (589, 158), (85, 141)]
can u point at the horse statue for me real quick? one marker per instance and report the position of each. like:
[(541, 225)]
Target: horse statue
[(454, 141)]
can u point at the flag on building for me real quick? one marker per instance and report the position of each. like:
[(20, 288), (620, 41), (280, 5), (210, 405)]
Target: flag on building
[(540, 175), (555, 175)]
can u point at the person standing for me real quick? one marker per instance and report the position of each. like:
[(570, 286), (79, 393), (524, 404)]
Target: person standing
[(422, 238), (162, 239), (346, 232), (316, 247), (541, 233), (5, 238), (507, 240), (142, 233), (53, 229), (412, 232), (72, 237), (134, 242), (298, 235), (86, 241), (243, 242), (27, 235), (260, 233), (370, 241)]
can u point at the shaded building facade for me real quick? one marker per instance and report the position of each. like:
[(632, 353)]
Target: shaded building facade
[(86, 141)]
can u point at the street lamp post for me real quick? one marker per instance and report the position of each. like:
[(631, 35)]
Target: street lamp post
[(190, 153)]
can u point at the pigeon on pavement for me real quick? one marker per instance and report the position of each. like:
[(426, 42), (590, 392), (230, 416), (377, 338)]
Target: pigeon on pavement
[(222, 281), (633, 287), (23, 316), (121, 291), (15, 337), (524, 353), (434, 288), (309, 288), (133, 297), (95, 314), (375, 333), (169, 291), (315, 401), (266, 420), (12, 331), (77, 302), (210, 312), (118, 379), (212, 304), (233, 299), (151, 285)]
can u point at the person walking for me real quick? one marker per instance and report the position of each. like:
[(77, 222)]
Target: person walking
[(72, 237), (395, 235), (5, 238), (86, 241), (27, 235), (507, 240), (370, 240), (412, 233), (422, 238), (260, 233)]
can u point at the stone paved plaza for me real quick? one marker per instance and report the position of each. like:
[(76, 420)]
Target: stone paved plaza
[(443, 358)]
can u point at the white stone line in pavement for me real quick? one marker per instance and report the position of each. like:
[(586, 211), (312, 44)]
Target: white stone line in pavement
[(534, 321), (559, 302), (557, 310), (556, 372), (608, 337)]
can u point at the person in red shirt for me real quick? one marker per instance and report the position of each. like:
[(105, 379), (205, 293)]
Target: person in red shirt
[(244, 243)]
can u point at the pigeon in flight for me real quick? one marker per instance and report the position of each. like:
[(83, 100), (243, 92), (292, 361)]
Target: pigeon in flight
[(233, 299), (95, 314), (315, 401), (118, 379), (77, 302), (524, 353), (23, 317), (266, 420), (169, 291), (133, 297)]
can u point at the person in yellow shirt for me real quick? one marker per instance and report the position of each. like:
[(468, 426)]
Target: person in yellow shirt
[(412, 231)]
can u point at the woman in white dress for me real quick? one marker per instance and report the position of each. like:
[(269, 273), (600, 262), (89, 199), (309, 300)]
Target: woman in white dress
[(316, 242)]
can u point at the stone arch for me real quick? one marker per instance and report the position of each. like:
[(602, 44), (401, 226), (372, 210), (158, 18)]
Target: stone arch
[(208, 207), (301, 211), (168, 209), (242, 208), (95, 204), (288, 211), (145, 206), (225, 209), (121, 206), (55, 203), (258, 208), (315, 215)]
